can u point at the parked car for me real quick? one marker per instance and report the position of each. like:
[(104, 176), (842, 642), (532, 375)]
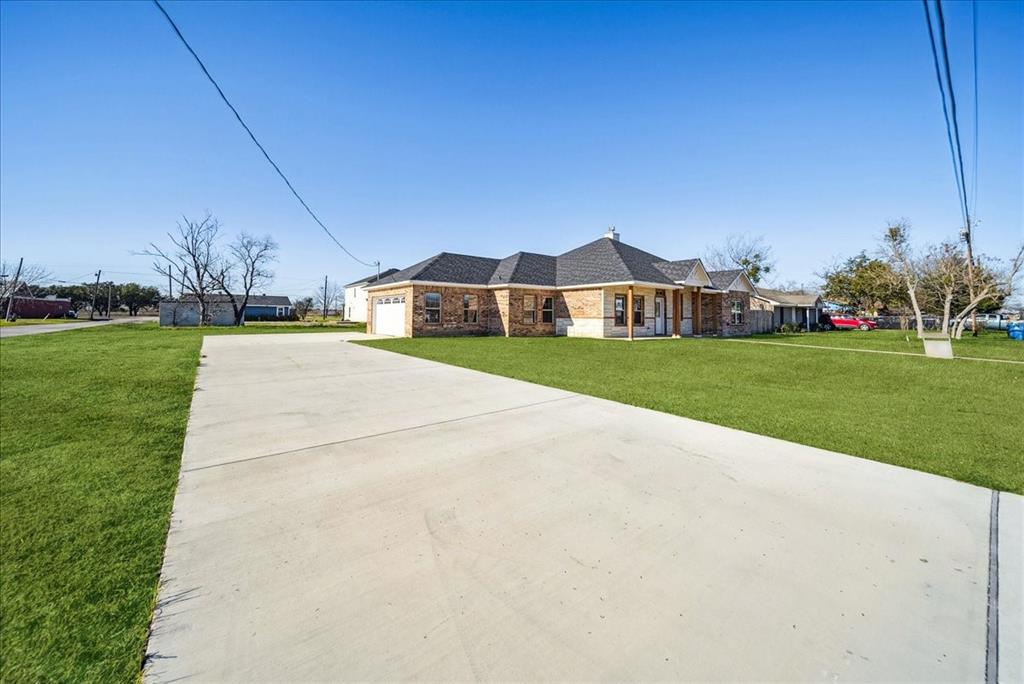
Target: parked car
[(992, 321), (844, 322)]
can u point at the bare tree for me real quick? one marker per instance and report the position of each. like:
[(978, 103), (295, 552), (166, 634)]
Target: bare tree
[(328, 296), (989, 283), (12, 282), (750, 253), (898, 252), (192, 260), (246, 267), (943, 275)]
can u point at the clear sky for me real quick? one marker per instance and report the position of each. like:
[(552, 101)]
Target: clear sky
[(493, 128)]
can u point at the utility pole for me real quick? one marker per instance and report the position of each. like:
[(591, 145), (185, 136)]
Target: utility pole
[(14, 290), (108, 298), (92, 307), (970, 275), (325, 297)]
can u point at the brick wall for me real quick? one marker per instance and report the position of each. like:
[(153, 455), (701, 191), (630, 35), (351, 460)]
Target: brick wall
[(515, 323), (648, 327), (716, 314), (452, 309), (580, 313)]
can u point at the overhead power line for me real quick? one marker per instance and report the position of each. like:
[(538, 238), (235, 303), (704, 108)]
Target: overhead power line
[(950, 127), (952, 106), (238, 116), (974, 42)]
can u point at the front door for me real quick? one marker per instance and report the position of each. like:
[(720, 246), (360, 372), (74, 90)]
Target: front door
[(659, 315)]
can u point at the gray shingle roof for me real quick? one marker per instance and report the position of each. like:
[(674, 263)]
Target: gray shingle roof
[(721, 280), (602, 261), (254, 300), (447, 268), (372, 279), (525, 268), (790, 298)]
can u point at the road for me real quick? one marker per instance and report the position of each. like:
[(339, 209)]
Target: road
[(346, 513), (21, 330)]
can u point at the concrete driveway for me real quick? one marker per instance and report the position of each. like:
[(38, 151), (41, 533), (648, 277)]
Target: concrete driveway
[(21, 330), (346, 513)]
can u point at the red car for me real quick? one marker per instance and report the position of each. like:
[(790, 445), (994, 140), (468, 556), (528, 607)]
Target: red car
[(844, 322)]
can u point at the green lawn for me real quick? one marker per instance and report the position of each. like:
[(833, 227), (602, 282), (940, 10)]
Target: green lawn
[(91, 430), (987, 345), (961, 419), (38, 321)]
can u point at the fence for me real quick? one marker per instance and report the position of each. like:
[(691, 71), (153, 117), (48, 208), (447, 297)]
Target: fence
[(761, 321)]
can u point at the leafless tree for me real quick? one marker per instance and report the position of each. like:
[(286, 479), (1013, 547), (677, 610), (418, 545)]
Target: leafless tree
[(31, 276), (898, 251), (943, 274), (988, 283), (192, 260), (751, 253), (329, 297), (246, 267)]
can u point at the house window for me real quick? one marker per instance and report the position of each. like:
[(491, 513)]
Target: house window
[(529, 309), (432, 308), (469, 309), (737, 312), (638, 310), (547, 311), (620, 309)]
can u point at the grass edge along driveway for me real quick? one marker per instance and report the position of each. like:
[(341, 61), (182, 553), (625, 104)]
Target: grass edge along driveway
[(955, 419), (92, 424)]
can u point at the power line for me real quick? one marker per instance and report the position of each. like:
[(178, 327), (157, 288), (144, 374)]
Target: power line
[(945, 109), (952, 109), (974, 180), (238, 116)]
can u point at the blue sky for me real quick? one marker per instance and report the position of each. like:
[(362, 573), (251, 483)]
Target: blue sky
[(492, 128)]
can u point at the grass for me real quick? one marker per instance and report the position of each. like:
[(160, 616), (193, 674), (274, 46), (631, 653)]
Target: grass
[(91, 431), (987, 345), (960, 419), (38, 321)]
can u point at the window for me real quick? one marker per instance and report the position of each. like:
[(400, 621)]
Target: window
[(469, 308), (620, 309), (529, 308), (432, 308), (547, 310), (737, 312), (638, 310)]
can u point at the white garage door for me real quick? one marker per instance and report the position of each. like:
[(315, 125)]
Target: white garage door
[(389, 316)]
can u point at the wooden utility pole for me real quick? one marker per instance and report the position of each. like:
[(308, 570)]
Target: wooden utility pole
[(108, 298), (14, 290), (92, 307), (970, 276), (325, 297)]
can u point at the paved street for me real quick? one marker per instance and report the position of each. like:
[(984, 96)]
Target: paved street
[(21, 330), (346, 513)]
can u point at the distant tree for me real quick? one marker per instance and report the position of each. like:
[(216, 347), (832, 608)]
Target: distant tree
[(863, 284), (744, 251), (246, 267), (992, 282), (899, 254), (134, 297), (329, 297), (192, 259), (302, 307)]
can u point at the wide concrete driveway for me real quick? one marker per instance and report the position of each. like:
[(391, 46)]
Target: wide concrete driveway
[(346, 513)]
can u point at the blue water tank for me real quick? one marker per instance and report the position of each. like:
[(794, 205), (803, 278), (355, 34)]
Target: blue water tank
[(1016, 330)]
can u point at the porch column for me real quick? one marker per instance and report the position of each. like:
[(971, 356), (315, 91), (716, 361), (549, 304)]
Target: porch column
[(698, 328), (808, 319), (676, 314), (629, 312)]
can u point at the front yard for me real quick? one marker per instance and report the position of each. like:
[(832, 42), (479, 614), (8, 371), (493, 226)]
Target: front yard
[(960, 419), (989, 344), (91, 431)]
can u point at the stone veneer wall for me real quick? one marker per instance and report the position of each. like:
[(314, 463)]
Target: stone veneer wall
[(580, 313), (645, 330)]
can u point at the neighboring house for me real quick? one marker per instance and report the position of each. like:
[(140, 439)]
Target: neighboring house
[(185, 311), (797, 308), (605, 288), (355, 296)]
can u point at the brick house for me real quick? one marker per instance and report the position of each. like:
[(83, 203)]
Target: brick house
[(605, 288)]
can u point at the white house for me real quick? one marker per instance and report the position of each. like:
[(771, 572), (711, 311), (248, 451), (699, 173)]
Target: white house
[(355, 296)]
